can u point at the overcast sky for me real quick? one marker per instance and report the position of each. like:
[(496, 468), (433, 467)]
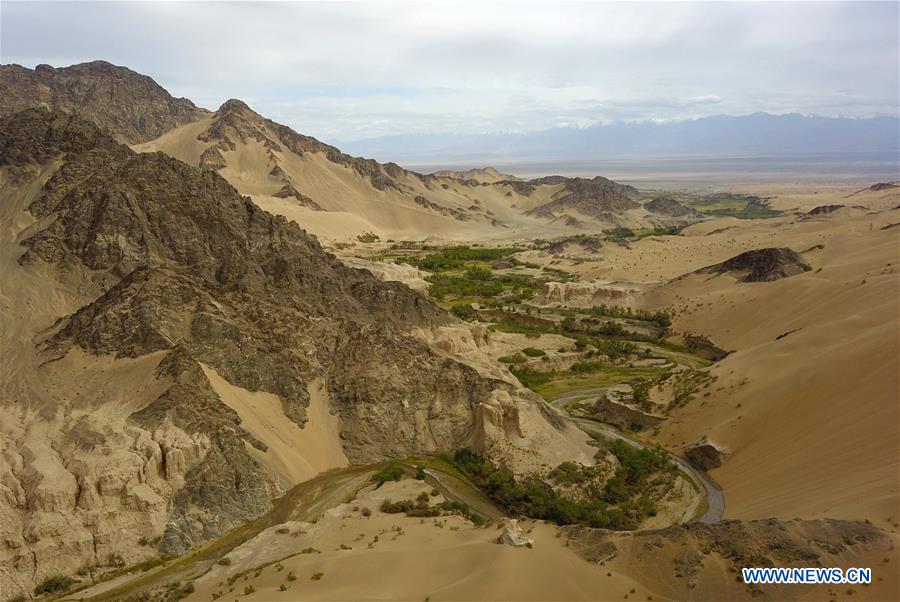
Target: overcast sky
[(344, 71)]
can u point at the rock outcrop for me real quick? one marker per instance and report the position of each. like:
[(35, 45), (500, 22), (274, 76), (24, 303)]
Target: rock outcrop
[(761, 265), (669, 207), (513, 535), (131, 106), (616, 409), (598, 198), (586, 294), (824, 209), (705, 454)]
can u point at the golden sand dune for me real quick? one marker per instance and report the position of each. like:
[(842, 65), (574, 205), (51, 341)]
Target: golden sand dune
[(807, 403)]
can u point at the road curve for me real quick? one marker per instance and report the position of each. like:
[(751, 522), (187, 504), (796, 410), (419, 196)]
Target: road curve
[(715, 499)]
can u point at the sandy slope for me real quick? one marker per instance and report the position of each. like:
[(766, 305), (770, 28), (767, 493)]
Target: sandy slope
[(437, 559), (294, 454), (811, 418), (413, 208)]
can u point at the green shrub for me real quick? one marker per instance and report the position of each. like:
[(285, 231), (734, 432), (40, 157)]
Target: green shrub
[(392, 472), (316, 576), (567, 473), (390, 507), (224, 561), (512, 359), (368, 237), (531, 378), (464, 311), (534, 352), (586, 366), (54, 584), (479, 273), (619, 233)]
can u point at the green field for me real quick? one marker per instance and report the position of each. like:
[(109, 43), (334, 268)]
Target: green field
[(726, 204)]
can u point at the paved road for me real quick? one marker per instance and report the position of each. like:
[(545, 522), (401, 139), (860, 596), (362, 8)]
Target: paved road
[(715, 499)]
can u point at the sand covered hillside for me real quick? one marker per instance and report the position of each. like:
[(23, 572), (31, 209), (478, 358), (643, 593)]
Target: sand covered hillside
[(181, 358), (807, 305), (339, 197)]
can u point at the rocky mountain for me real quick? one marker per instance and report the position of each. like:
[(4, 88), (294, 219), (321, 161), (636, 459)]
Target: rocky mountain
[(483, 175), (668, 206), (294, 175), (330, 193), (598, 197), (133, 107), (146, 300), (762, 265)]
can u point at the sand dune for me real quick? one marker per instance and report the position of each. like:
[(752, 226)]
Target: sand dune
[(808, 402)]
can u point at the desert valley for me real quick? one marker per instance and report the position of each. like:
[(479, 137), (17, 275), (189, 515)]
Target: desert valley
[(240, 364)]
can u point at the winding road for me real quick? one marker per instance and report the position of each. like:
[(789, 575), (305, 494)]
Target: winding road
[(308, 500), (715, 499)]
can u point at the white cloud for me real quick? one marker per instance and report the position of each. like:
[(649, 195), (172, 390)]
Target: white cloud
[(345, 70)]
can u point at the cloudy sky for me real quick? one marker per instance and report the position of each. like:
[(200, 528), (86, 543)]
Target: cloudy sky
[(345, 71)]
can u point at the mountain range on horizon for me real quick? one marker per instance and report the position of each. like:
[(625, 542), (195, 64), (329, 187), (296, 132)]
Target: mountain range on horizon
[(334, 195), (757, 134)]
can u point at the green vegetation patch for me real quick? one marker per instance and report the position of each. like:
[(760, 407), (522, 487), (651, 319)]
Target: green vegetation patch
[(726, 204), (534, 352), (620, 505), (368, 237), (464, 311), (658, 231), (481, 282), (55, 584), (455, 258), (392, 472), (421, 508), (619, 233)]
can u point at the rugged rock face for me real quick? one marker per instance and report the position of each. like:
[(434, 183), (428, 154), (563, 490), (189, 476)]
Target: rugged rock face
[(618, 413), (187, 274), (669, 207), (513, 535), (586, 294), (761, 265), (686, 551), (456, 214), (705, 454), (599, 198), (131, 106), (824, 209), (288, 191)]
